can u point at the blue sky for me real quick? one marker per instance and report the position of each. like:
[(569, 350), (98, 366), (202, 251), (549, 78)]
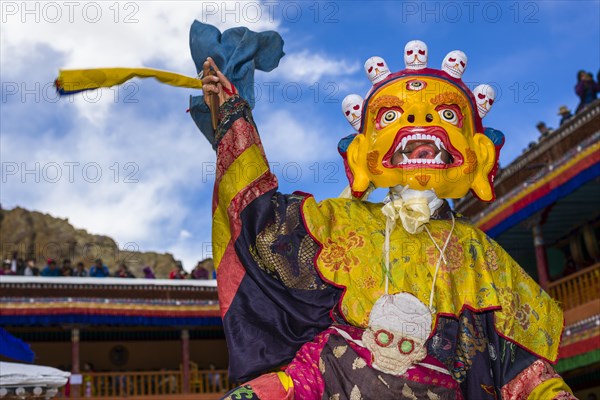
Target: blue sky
[(130, 163)]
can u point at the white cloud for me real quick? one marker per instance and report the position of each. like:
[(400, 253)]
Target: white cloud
[(309, 68), (98, 34), (165, 152), (288, 138), (126, 181), (168, 207), (114, 34)]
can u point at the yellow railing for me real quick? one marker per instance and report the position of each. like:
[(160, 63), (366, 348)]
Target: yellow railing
[(578, 288), (154, 383)]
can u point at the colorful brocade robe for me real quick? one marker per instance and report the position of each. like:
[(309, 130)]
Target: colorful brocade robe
[(297, 280)]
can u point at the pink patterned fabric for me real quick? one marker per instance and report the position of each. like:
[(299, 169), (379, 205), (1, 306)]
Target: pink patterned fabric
[(523, 384), (268, 387), (304, 369), (239, 138)]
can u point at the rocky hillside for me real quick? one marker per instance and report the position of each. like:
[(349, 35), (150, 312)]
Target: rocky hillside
[(42, 236)]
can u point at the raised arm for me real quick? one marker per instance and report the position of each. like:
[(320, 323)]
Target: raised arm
[(272, 299)]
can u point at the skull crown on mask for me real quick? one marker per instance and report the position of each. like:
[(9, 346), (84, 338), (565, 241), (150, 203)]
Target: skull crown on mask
[(421, 128)]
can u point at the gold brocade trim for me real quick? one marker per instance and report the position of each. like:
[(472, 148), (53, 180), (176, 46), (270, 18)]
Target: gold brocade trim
[(274, 251)]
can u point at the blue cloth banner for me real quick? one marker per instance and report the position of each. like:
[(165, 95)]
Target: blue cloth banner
[(237, 52), (15, 348)]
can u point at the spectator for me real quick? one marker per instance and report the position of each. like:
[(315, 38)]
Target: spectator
[(586, 89), (30, 269), (123, 271), (13, 263), (51, 269), (99, 270), (214, 378), (168, 383), (148, 273), (565, 114), (199, 272), (67, 269), (177, 272), (20, 266), (88, 387), (80, 270), (6, 268), (544, 130)]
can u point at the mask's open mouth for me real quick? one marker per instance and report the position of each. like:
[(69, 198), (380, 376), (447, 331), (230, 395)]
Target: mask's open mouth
[(416, 147)]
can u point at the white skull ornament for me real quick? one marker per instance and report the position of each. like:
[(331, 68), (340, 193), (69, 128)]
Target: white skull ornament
[(415, 55), (376, 69), (484, 97), (455, 63), (399, 326), (352, 108)]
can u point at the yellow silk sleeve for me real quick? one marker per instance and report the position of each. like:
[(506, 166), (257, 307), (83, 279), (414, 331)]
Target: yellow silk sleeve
[(243, 171), (550, 389)]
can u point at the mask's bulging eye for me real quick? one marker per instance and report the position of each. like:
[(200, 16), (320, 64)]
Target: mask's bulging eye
[(450, 114), (384, 338), (416, 85), (387, 116)]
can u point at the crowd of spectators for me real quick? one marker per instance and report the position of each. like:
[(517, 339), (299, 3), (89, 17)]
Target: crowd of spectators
[(27, 267), (200, 271), (586, 89)]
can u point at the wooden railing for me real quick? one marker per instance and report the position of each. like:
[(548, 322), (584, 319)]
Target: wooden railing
[(578, 288), (210, 381), (152, 383)]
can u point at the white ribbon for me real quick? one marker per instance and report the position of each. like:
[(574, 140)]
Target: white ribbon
[(413, 208), (414, 213)]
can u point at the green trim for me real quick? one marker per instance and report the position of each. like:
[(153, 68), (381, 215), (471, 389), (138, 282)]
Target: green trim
[(581, 360)]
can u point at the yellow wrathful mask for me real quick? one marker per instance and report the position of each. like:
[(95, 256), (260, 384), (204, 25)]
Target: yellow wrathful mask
[(421, 128)]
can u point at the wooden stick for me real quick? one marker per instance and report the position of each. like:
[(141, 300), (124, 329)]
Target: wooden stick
[(214, 105)]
